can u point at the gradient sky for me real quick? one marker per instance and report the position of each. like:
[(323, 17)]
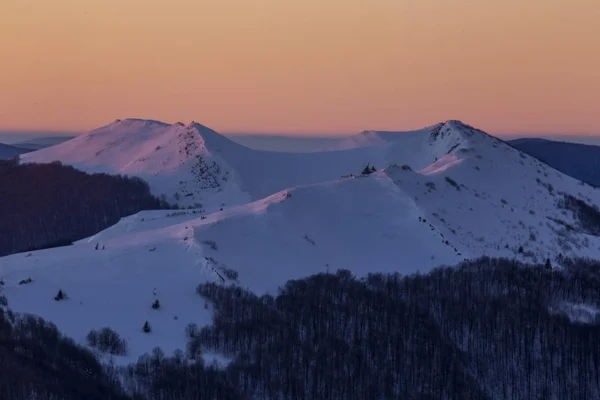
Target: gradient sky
[(302, 66)]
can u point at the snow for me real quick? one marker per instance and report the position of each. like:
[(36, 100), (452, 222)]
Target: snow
[(440, 195), (171, 158), (111, 288), (503, 201), (208, 169), (577, 312), (362, 224)]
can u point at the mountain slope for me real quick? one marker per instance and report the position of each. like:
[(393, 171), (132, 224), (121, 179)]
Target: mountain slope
[(179, 162), (581, 161), (45, 205), (529, 210), (499, 201), (361, 224), (451, 192), (416, 148), (194, 165)]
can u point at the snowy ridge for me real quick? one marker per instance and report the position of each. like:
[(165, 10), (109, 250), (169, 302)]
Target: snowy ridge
[(418, 148), (288, 235), (180, 162), (518, 198), (440, 195), (195, 166)]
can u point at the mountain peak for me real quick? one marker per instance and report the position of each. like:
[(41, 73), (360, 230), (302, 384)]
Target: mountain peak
[(182, 162), (464, 127), (199, 127), (128, 121), (460, 130), (454, 122), (133, 123)]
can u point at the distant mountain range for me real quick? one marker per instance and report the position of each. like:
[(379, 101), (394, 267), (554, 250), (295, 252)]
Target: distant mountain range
[(581, 161), (41, 142), (15, 149), (8, 151)]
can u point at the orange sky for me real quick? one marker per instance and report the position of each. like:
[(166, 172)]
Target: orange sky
[(302, 65)]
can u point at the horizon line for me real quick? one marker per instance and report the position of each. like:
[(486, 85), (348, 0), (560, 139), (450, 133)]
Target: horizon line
[(295, 134)]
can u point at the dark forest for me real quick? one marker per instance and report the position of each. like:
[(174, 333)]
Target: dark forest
[(50, 205), (486, 329)]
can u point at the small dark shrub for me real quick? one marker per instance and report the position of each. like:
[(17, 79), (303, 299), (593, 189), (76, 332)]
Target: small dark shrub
[(532, 236), (452, 182), (231, 274), (368, 170), (92, 338), (60, 295), (147, 328), (309, 240), (110, 341), (211, 243), (156, 304)]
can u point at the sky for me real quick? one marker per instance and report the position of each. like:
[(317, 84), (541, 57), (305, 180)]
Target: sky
[(310, 66)]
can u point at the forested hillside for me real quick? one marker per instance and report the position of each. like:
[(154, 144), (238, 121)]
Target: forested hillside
[(486, 329), (46, 205), (36, 359)]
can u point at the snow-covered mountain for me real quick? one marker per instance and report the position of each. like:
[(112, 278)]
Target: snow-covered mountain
[(8, 151), (361, 224), (179, 162), (440, 195), (192, 165)]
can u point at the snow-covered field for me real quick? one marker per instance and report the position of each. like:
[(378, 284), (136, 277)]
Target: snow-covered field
[(440, 195)]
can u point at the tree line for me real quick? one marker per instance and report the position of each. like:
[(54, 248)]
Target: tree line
[(485, 329), (36, 361)]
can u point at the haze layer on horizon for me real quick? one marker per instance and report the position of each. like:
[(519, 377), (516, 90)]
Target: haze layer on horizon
[(325, 66)]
